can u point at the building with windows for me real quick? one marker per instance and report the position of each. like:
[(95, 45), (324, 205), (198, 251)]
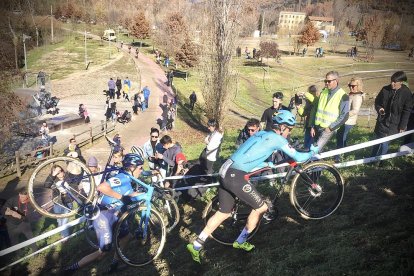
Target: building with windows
[(291, 20), (323, 23)]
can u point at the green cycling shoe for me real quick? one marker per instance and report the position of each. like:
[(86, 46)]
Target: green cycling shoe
[(245, 246), (195, 254)]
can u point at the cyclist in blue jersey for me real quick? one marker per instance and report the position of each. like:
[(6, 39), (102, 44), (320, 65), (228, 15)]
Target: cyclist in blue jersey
[(250, 156), (115, 192)]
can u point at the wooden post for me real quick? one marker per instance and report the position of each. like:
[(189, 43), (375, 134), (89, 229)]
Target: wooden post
[(18, 170), (50, 149), (90, 134), (186, 77), (102, 125), (106, 127), (369, 117)]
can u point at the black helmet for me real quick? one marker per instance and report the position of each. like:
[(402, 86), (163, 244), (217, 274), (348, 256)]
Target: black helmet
[(132, 159)]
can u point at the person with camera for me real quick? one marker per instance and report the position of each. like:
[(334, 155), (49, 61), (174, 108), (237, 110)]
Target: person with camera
[(18, 211), (393, 105), (306, 104)]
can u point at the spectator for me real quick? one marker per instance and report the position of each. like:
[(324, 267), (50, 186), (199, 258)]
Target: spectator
[(317, 52), (211, 152), (41, 76), (332, 110), (147, 93), (167, 61), (170, 117), (252, 126), (83, 112), (238, 51), (393, 105), (193, 100), (118, 84), (117, 140), (254, 53), (164, 116), (170, 77), (266, 120), (111, 88), (127, 82), (136, 52), (320, 52), (4, 234), (247, 53), (304, 51), (73, 150), (356, 96), (137, 103), (18, 211), (410, 125), (93, 166), (165, 98), (125, 91), (108, 109), (142, 99), (173, 156), (44, 132), (307, 110), (57, 177), (411, 54), (152, 147)]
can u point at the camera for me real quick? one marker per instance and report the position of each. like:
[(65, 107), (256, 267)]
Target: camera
[(298, 99)]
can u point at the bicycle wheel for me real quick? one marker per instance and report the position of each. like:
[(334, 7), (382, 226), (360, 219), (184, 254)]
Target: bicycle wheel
[(90, 234), (317, 192), (231, 228), (168, 207), (135, 249), (64, 195)]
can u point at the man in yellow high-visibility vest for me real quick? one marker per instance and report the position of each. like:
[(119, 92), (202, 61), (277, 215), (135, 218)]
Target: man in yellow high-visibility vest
[(331, 112)]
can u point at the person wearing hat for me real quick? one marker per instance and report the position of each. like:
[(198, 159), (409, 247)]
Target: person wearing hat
[(73, 150), (266, 120), (93, 166)]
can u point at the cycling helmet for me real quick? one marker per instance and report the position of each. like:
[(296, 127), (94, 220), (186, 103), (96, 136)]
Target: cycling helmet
[(132, 159), (283, 117), (138, 150)]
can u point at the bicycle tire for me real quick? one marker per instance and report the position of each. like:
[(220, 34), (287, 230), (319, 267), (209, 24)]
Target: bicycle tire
[(168, 207), (38, 193), (322, 199), (90, 234), (135, 251), (231, 228)]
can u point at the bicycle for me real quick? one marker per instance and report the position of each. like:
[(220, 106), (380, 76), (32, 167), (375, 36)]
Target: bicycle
[(147, 230), (316, 192)]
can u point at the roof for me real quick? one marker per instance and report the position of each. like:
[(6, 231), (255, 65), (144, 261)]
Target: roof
[(321, 18)]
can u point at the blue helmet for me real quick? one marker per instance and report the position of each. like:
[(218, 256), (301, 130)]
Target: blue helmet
[(283, 117), (132, 159)]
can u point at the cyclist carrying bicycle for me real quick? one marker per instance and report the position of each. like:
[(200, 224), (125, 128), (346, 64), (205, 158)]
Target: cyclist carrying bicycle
[(233, 177), (115, 192)]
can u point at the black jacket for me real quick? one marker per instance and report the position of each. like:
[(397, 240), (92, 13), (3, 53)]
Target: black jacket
[(397, 105)]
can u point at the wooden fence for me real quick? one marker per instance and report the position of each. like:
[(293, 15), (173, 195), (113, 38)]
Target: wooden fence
[(30, 158)]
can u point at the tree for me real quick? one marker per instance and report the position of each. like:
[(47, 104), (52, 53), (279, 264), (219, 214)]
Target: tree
[(220, 36), (309, 34), (187, 55), (269, 49), (140, 27), (371, 32)]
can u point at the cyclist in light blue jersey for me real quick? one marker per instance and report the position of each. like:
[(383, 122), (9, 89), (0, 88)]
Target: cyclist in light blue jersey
[(115, 192), (250, 156)]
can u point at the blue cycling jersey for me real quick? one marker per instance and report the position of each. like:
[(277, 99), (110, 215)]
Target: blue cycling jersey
[(253, 153), (120, 183)]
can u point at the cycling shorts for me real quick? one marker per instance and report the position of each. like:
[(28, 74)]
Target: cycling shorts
[(234, 185), (104, 225)]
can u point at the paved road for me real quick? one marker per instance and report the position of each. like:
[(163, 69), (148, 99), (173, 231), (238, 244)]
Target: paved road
[(134, 133)]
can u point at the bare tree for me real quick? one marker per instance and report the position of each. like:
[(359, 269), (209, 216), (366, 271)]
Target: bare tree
[(371, 32), (220, 38)]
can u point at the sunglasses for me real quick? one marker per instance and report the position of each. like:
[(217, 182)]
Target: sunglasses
[(352, 85), (251, 130), (329, 81), (154, 136)]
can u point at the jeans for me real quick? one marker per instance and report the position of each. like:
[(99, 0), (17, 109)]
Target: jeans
[(341, 136), (57, 209), (308, 138), (379, 149)]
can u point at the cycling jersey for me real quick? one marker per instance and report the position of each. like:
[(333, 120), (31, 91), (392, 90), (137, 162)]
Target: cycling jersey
[(253, 153), (120, 183)]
